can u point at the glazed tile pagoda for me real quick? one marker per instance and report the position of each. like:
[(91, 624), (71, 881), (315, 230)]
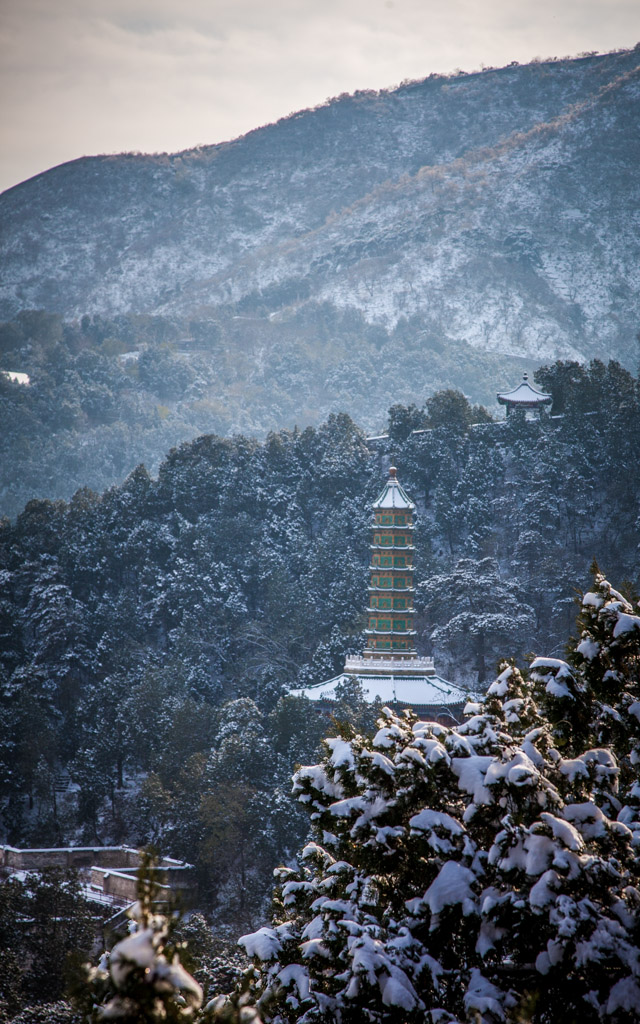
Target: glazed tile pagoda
[(389, 668), (390, 629)]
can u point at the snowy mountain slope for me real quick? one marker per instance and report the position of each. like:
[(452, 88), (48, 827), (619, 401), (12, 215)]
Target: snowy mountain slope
[(531, 246), (499, 207)]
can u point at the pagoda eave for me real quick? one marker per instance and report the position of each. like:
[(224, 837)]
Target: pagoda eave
[(386, 633), (384, 591), (392, 547), (523, 403)]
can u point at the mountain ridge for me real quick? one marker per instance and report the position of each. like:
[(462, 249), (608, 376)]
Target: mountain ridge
[(176, 233), (370, 252)]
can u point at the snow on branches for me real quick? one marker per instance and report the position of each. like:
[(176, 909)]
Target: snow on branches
[(483, 873)]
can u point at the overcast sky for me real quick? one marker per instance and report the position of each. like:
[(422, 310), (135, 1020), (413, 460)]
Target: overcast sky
[(82, 77)]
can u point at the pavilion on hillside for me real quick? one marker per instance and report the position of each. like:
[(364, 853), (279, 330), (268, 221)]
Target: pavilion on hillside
[(389, 667), (525, 397)]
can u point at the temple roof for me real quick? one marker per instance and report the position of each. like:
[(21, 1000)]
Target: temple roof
[(524, 395), (415, 691), (393, 495)]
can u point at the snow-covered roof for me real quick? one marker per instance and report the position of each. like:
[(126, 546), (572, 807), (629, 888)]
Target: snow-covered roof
[(16, 377), (393, 495), (414, 691), (525, 394)]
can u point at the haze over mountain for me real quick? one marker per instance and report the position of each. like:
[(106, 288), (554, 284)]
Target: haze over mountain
[(501, 208)]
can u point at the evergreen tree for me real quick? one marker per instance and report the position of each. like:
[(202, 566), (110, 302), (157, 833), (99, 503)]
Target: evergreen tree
[(483, 873)]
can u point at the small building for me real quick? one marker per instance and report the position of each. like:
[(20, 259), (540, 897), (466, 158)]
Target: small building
[(525, 397), (389, 667), (16, 377), (108, 874)]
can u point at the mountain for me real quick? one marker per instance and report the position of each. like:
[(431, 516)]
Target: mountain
[(450, 233), (498, 209)]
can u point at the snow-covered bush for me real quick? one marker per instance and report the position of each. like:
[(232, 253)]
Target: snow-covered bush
[(479, 874)]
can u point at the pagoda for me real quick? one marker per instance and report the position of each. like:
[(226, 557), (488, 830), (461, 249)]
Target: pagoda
[(525, 396), (390, 629), (389, 667)]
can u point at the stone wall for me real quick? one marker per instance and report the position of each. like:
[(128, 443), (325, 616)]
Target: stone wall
[(123, 885), (69, 857), (113, 868)]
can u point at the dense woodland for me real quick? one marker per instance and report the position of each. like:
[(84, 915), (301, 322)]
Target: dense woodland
[(160, 595), (150, 634), (107, 394)]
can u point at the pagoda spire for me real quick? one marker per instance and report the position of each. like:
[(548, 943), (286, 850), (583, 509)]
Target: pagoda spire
[(390, 629)]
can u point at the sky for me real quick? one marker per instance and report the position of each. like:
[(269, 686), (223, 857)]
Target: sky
[(81, 77)]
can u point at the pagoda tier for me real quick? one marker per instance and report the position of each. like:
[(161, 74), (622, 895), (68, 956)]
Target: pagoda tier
[(390, 629)]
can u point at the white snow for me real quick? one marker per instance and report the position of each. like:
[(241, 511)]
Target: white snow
[(314, 947), (634, 709), (550, 663), (413, 690), (500, 687), (264, 943), (543, 892), (428, 819), (16, 377), (563, 831), (397, 990), (471, 773), (555, 684), (588, 648), (380, 761), (452, 885), (626, 624), (540, 851), (557, 689), (393, 496), (341, 752), (589, 818), (136, 949), (297, 975), (625, 995), (572, 768), (483, 997)]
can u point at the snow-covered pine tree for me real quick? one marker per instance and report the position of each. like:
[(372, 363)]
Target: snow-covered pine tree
[(484, 873)]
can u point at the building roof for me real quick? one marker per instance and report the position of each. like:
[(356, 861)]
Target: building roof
[(393, 495), (416, 690), (525, 395)]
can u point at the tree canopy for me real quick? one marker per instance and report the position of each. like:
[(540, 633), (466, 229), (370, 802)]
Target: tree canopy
[(484, 873)]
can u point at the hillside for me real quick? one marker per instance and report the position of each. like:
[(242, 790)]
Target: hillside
[(452, 232), (179, 609), (501, 207)]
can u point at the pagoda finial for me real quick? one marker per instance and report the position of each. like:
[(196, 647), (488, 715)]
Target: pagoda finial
[(393, 472)]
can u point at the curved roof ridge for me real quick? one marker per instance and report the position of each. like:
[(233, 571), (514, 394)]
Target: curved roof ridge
[(393, 495), (523, 393)]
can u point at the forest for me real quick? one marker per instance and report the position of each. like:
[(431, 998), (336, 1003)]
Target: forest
[(108, 393), (150, 633)]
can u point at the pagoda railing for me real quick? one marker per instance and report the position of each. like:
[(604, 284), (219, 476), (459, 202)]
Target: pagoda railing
[(355, 663)]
